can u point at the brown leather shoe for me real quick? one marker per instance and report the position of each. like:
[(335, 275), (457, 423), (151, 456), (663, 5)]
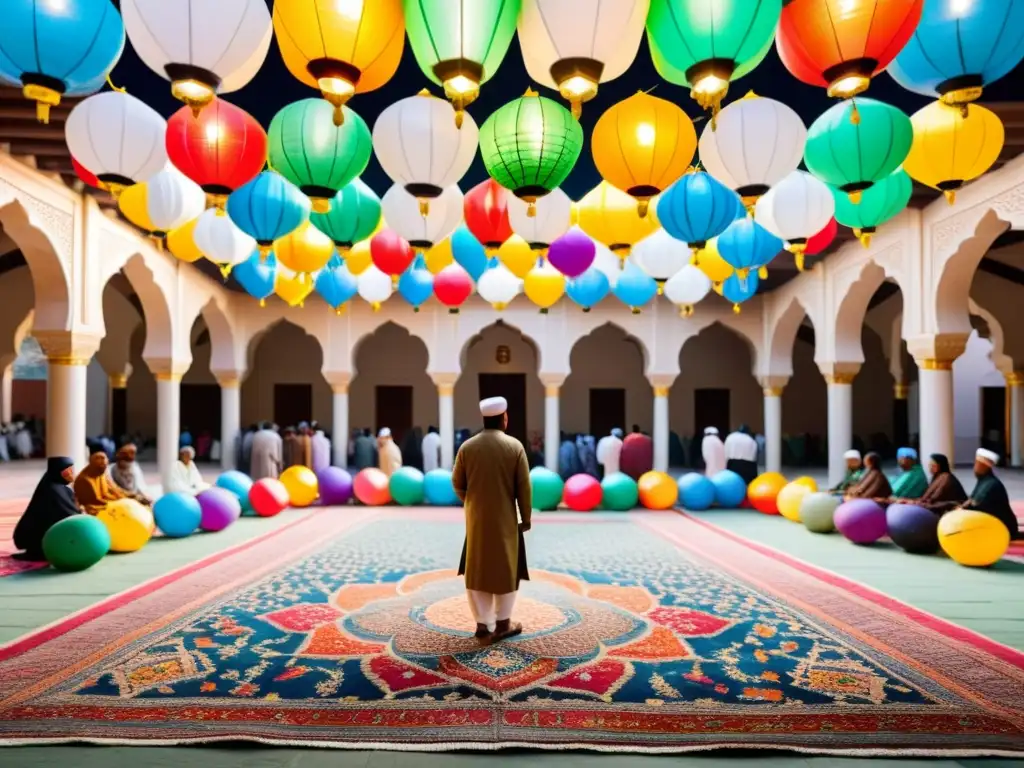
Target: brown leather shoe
[(483, 634), (505, 629)]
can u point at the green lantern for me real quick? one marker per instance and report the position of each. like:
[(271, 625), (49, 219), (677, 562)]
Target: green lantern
[(314, 154), (353, 216), (460, 43), (530, 145), (853, 145), (878, 204), (706, 44)]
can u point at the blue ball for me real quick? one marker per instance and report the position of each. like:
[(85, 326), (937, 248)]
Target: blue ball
[(696, 492), (438, 490), (239, 484), (177, 514), (730, 490)]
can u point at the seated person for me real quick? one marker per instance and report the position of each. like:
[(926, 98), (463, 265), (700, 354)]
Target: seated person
[(127, 475), (873, 484), (185, 477), (93, 487), (51, 502), (944, 492), (854, 469), (911, 483), (989, 494)]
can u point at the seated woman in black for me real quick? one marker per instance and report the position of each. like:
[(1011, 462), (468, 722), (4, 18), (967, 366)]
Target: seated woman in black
[(52, 501), (945, 491)]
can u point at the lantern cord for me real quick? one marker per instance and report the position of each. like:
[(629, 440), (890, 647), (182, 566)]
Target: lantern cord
[(114, 87), (799, 259), (854, 114)]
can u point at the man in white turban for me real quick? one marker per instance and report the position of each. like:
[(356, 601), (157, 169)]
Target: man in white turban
[(713, 450), (388, 453), (609, 450), (854, 472), (492, 477)]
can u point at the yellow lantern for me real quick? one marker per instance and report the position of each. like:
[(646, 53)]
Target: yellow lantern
[(305, 250), (642, 145), (711, 263), (181, 245), (341, 47), (440, 256), (610, 216), (517, 256), (132, 204), (953, 145), (544, 285), (358, 258), (293, 289)]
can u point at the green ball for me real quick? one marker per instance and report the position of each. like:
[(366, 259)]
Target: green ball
[(406, 486), (547, 488), (620, 492), (76, 543), (816, 512)]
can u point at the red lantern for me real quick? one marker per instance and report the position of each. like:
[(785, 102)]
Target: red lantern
[(822, 240), (220, 150), (485, 209), (391, 254), (842, 44), (452, 286), (85, 174)]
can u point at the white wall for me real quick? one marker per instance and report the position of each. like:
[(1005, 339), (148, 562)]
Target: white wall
[(973, 370)]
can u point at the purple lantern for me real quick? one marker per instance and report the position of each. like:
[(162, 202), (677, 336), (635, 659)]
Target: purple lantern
[(572, 253)]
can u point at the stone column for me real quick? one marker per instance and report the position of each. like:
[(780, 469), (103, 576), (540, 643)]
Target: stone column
[(934, 355), (68, 358), (339, 419), (1015, 398), (552, 418), (839, 377), (230, 418), (168, 422), (661, 385), (773, 387), (446, 416), (6, 387)]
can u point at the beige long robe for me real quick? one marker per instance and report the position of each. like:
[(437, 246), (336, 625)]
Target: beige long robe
[(492, 477), (390, 456), (266, 455)]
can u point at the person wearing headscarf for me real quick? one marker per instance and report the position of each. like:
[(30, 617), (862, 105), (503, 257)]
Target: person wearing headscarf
[(93, 488), (52, 501), (587, 455), (854, 470), (185, 438), (390, 456), (609, 451), (127, 474), (911, 482), (873, 484), (741, 454), (431, 449), (363, 451), (290, 447), (321, 451), (267, 454), (304, 436), (412, 455), (568, 458), (713, 451), (185, 477), (944, 492), (989, 494)]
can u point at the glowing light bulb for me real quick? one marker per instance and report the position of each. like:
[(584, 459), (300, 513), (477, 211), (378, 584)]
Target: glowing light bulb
[(335, 86), (645, 135), (212, 132), (350, 9), (460, 85)]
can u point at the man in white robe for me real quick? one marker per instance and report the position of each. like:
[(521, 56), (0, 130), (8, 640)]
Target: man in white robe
[(388, 452), (23, 441), (185, 477), (431, 448), (713, 452), (741, 454), (609, 450)]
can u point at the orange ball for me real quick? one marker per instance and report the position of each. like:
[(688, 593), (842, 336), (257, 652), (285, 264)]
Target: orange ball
[(371, 487), (764, 491), (657, 490)]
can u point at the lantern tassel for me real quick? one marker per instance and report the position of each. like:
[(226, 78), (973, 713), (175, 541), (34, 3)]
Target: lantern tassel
[(499, 305), (854, 113), (114, 87), (394, 282), (375, 306), (338, 116), (424, 207), (576, 107), (855, 196), (531, 209), (263, 303), (635, 310), (264, 252), (453, 311), (339, 310), (950, 195), (686, 311), (661, 287), (762, 273), (225, 270), (543, 310), (736, 309), (321, 205), (44, 98), (694, 257), (799, 259), (642, 206)]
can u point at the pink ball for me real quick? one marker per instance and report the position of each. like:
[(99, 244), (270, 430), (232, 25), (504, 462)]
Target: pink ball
[(219, 508), (582, 493), (268, 497), (371, 487)]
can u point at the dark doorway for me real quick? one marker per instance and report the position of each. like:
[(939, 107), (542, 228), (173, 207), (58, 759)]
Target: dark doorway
[(293, 403), (394, 410), (901, 421), (607, 411), (511, 386), (200, 408), (994, 419), (711, 409), (118, 414)]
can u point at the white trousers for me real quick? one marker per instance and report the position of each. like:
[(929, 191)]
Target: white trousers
[(488, 609)]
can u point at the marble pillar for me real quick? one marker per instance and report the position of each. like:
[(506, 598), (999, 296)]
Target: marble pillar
[(935, 393), (661, 429), (65, 408), (552, 425), (446, 422), (230, 420), (773, 388), (168, 422), (339, 424), (840, 423)]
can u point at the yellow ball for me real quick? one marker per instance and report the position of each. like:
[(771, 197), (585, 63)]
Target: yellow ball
[(657, 490), (809, 482), (791, 497), (301, 484), (973, 538), (129, 523), (763, 492)]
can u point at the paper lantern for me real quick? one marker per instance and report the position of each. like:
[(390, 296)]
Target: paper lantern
[(660, 255), (353, 214), (202, 51), (403, 214), (359, 259), (375, 287), (118, 138), (221, 241), (340, 48), (589, 288), (643, 144), (257, 276), (336, 284), (440, 256), (419, 146), (878, 204), (841, 44), (452, 286), (960, 47), (607, 262), (634, 288), (737, 289), (953, 145), (468, 252), (854, 155), (705, 44), (711, 263), (746, 246), (485, 210), (517, 256), (221, 150), (551, 218), (84, 175), (572, 253), (697, 208), (459, 44), (316, 155), (416, 284), (305, 250), (530, 145), (498, 287), (573, 45), (544, 285), (687, 287), (819, 242), (795, 210), (757, 143), (292, 288), (165, 202), (181, 242), (268, 208), (610, 216), (391, 254)]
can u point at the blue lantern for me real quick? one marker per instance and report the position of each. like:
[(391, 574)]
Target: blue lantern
[(589, 288), (467, 251), (54, 49), (697, 208), (257, 276), (958, 48), (746, 245), (738, 289), (336, 284), (353, 216), (416, 284), (268, 208), (635, 287)]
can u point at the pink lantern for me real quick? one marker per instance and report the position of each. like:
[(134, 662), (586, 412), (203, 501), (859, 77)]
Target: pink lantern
[(572, 253)]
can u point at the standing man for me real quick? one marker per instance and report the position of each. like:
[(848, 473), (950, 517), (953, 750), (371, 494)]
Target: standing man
[(713, 452), (389, 452), (609, 449), (492, 477), (266, 454), (431, 449), (741, 454)]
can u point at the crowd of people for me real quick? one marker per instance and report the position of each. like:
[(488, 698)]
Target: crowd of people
[(20, 439)]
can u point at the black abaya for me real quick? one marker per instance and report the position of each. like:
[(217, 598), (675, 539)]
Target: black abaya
[(52, 501)]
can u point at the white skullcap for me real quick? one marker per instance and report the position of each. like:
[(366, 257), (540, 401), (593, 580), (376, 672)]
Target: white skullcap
[(493, 406), (986, 456), (852, 455), (385, 432), (711, 431)]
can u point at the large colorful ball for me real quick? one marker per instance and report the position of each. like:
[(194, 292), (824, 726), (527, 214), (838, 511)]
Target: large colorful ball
[(764, 491), (582, 493), (177, 514), (220, 508), (730, 490), (696, 491), (657, 490), (619, 492), (913, 529), (301, 485), (817, 510), (335, 486), (268, 497), (371, 487), (76, 543), (547, 487), (438, 489), (790, 498), (862, 521), (973, 538), (406, 486), (129, 523), (239, 484)]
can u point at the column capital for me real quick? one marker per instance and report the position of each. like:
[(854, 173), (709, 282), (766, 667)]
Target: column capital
[(839, 373), (118, 380), (167, 368), (773, 385), (67, 347), (936, 352), (445, 382), (229, 379), (901, 390), (339, 381), (1014, 378), (661, 381), (552, 381)]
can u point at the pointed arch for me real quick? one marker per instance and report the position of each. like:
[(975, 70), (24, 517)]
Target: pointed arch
[(45, 261)]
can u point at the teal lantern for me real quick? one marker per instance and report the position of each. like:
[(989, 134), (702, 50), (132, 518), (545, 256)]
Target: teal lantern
[(530, 145), (747, 246), (634, 288), (336, 284), (353, 215), (737, 289), (257, 275), (314, 154), (852, 153), (880, 203), (267, 208), (416, 284), (59, 48)]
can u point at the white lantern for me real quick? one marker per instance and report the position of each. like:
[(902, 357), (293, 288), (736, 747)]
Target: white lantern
[(687, 287), (203, 48), (173, 199), (221, 241), (374, 286), (661, 256), (606, 261), (403, 214), (756, 144), (551, 218), (117, 137), (796, 209), (498, 286), (420, 147), (572, 45)]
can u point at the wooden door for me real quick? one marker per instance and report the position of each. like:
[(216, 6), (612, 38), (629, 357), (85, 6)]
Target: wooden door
[(293, 404), (200, 409), (995, 419), (119, 414), (711, 409), (393, 409), (511, 386), (607, 411)]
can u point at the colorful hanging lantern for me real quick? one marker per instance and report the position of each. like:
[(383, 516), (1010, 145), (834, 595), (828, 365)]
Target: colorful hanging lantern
[(268, 208), (467, 252), (610, 216), (181, 243), (314, 154), (711, 263), (747, 246), (353, 215), (485, 209), (292, 288), (517, 256), (416, 284), (879, 204), (706, 44), (660, 255), (697, 208), (221, 150), (218, 53), (551, 218), (305, 250), (340, 48), (336, 284), (55, 49), (607, 263), (573, 45), (84, 175), (375, 287), (165, 202), (823, 239), (841, 44), (589, 288), (953, 145), (642, 145), (452, 286), (739, 289), (221, 241), (853, 156), (634, 288), (960, 47), (757, 143), (257, 276), (359, 259), (687, 287), (391, 253), (544, 285), (442, 254), (530, 145), (459, 44), (795, 210), (498, 287), (118, 138), (402, 213), (572, 253)]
